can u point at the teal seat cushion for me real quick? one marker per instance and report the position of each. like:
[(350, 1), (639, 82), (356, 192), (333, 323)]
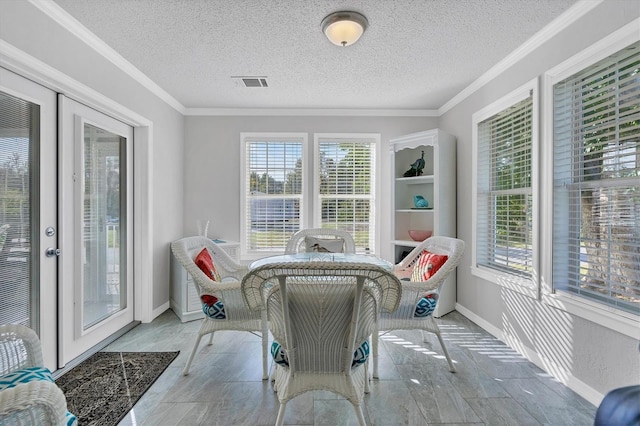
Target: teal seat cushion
[(26, 375), (71, 419), (360, 355), (214, 311), (212, 307), (426, 305)]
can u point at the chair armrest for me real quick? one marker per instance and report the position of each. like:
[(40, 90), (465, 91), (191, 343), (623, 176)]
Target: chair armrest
[(23, 345), (37, 402), (216, 287)]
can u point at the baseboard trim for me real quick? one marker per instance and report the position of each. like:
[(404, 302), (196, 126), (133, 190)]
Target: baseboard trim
[(549, 366), (159, 310)]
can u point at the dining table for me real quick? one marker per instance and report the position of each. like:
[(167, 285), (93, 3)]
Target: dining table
[(320, 267), (305, 257)]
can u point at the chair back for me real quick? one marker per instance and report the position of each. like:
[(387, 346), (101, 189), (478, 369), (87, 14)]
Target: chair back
[(321, 312), (451, 247), (186, 250), (300, 241), (19, 348)]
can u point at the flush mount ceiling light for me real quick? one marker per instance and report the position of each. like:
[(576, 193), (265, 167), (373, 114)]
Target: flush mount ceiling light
[(344, 28)]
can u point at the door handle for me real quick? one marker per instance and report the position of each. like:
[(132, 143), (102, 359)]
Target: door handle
[(52, 252)]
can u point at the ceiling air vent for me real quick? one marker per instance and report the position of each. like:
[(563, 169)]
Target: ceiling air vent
[(250, 81)]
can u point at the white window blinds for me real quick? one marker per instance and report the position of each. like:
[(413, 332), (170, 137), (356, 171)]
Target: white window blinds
[(346, 179), (504, 212), (274, 174), (596, 223), (19, 141)]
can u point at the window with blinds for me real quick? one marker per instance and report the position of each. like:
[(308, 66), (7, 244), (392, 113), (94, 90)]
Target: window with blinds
[(19, 140), (273, 180), (345, 176), (596, 184), (279, 181), (504, 196)]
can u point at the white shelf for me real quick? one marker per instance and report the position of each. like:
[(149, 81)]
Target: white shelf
[(437, 186), (406, 243), (416, 180), (414, 211)]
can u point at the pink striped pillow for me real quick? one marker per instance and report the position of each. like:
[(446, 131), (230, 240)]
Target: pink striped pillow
[(427, 265)]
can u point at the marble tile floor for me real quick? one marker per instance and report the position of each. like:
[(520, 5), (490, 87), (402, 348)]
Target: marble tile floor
[(494, 385)]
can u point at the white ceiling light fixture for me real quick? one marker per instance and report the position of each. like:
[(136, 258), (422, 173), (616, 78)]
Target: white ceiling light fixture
[(344, 28)]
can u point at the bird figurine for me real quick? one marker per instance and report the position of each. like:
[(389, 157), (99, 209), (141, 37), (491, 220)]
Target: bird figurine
[(416, 167)]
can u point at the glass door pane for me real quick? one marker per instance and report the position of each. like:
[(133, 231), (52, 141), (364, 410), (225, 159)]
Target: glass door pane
[(96, 186), (19, 138), (104, 204)]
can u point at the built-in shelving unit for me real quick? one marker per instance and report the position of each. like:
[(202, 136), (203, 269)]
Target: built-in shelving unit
[(437, 185)]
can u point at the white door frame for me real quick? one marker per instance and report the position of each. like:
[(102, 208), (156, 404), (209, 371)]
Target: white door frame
[(32, 68), (74, 339)]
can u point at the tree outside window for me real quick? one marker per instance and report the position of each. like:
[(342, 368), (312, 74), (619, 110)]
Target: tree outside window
[(596, 181)]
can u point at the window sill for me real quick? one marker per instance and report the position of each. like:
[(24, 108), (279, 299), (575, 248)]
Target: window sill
[(620, 321), (511, 282)]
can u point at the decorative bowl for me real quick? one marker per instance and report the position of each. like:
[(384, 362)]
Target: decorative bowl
[(419, 234)]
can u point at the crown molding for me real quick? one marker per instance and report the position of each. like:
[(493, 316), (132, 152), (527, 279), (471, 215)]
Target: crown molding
[(71, 24), (599, 50), (326, 112), (34, 69), (571, 15)]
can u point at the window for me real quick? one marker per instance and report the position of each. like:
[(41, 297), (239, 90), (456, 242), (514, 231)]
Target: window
[(273, 180), (596, 185), (279, 179), (504, 203), (345, 184)]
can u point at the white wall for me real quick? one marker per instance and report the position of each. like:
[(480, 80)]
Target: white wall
[(590, 358), (212, 158), (27, 28)]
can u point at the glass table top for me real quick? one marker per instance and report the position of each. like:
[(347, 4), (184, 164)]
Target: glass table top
[(323, 257)]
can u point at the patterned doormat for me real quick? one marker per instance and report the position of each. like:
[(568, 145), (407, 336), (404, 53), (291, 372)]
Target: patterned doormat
[(101, 390)]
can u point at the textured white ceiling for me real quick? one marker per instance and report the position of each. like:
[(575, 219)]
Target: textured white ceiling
[(416, 54)]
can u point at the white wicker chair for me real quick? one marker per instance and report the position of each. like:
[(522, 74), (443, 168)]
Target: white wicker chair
[(321, 313), (297, 242), (237, 314), (403, 318), (38, 402)]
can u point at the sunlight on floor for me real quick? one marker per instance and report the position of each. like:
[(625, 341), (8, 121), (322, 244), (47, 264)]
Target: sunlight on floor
[(462, 337)]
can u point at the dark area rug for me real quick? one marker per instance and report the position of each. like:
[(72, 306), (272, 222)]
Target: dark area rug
[(102, 389)]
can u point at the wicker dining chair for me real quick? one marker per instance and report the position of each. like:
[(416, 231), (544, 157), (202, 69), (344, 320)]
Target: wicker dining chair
[(305, 239), (222, 299), (321, 315), (420, 298), (28, 393)]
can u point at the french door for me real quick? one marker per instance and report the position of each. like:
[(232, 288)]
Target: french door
[(96, 218), (65, 219), (28, 209)]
